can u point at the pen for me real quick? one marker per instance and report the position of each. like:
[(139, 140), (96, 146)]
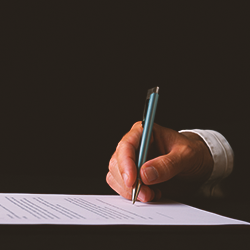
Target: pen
[(147, 124)]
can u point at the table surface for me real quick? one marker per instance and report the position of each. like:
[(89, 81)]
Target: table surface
[(124, 237)]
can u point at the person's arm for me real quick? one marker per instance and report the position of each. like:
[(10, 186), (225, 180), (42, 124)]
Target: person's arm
[(223, 158)]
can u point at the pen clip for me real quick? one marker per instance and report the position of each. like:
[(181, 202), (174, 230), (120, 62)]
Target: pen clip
[(150, 91)]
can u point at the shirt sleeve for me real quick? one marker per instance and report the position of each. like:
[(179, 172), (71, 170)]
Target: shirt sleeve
[(223, 157)]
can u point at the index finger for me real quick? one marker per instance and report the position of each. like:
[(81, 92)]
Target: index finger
[(126, 157)]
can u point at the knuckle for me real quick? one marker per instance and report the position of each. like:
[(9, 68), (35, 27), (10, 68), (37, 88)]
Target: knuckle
[(124, 144), (169, 167), (136, 124), (186, 151), (121, 144), (164, 162), (108, 177), (112, 164), (167, 163)]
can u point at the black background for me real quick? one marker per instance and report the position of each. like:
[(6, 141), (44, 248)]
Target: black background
[(75, 76)]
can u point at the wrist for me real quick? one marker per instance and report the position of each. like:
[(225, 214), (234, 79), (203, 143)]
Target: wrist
[(203, 168)]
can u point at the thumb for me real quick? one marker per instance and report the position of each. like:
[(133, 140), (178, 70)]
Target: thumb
[(161, 169)]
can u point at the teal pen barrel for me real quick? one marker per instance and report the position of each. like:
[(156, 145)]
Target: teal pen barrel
[(147, 130)]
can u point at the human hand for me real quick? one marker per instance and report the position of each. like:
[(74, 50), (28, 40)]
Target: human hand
[(179, 163)]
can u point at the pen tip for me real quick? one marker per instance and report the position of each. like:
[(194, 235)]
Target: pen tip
[(133, 199), (136, 191)]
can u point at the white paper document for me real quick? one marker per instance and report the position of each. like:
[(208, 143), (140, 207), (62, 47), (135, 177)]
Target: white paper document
[(101, 210)]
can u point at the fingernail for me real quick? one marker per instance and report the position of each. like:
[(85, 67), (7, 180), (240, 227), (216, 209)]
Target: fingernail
[(150, 173), (141, 196), (125, 178)]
